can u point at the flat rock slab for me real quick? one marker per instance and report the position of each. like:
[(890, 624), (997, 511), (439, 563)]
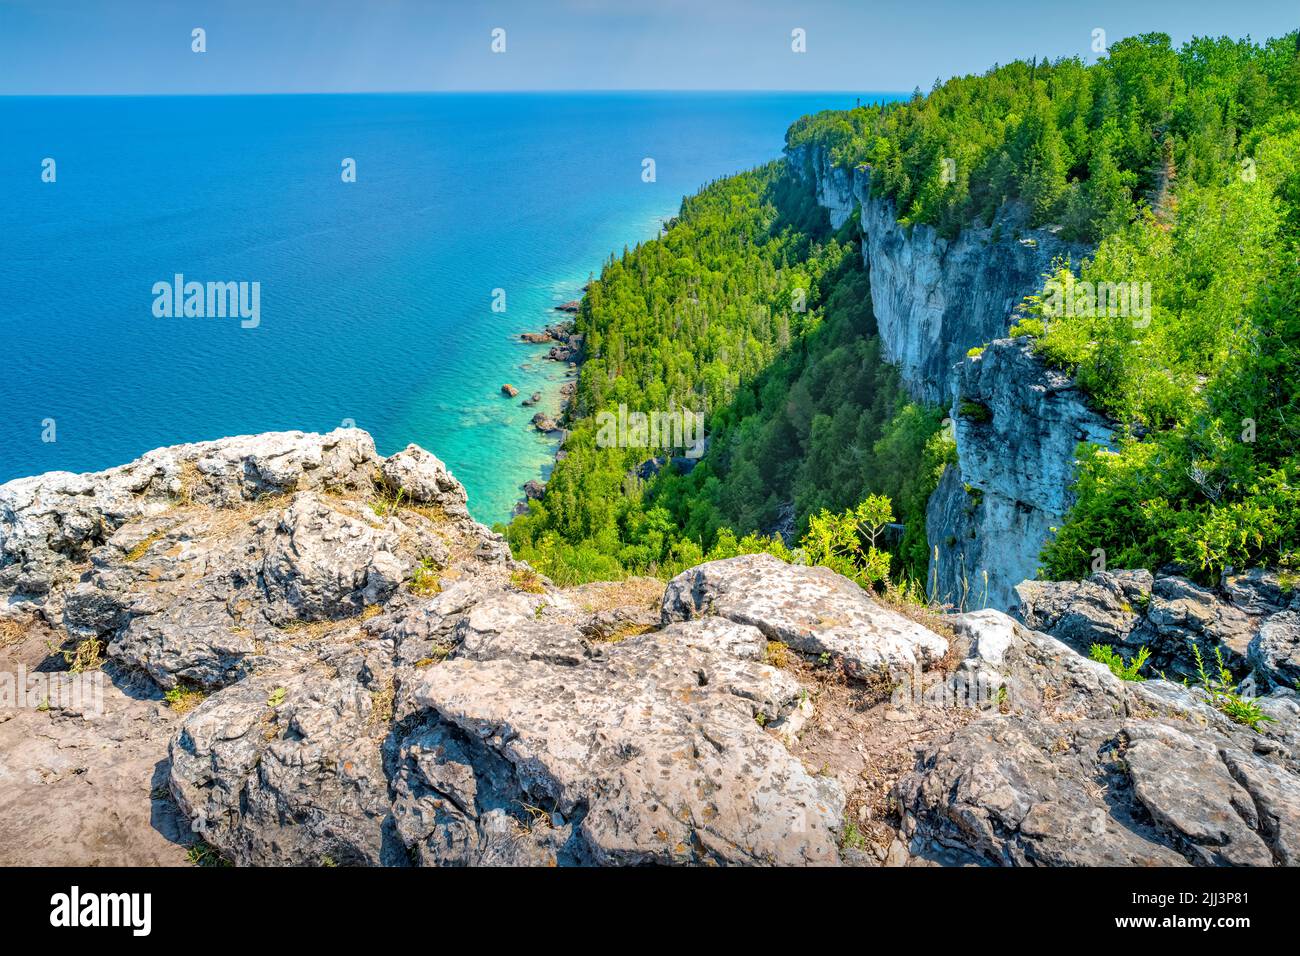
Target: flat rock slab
[(654, 754), (78, 790), (812, 609)]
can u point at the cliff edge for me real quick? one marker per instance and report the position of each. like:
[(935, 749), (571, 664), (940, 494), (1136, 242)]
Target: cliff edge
[(309, 654)]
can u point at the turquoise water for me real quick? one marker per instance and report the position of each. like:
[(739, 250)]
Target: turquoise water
[(375, 296)]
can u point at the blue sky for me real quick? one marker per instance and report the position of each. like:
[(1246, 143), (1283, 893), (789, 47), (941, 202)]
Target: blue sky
[(259, 46)]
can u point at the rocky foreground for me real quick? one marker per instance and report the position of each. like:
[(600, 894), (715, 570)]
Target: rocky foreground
[(314, 656)]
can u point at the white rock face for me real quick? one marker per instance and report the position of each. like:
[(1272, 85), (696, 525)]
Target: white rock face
[(649, 754), (51, 522), (1016, 444), (935, 299)]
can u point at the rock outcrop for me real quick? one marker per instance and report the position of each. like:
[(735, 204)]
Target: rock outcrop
[(934, 298), (1017, 425), (813, 610), (1250, 620), (357, 673), (1079, 768)]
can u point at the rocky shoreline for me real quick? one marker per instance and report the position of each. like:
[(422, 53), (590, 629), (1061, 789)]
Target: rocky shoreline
[(312, 655), (565, 346)]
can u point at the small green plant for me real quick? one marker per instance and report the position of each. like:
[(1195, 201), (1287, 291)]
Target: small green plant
[(526, 579), (761, 719), (854, 838), (183, 699), (1222, 689), (974, 411), (1027, 326), (385, 506), (87, 656), (202, 854), (1105, 654), (976, 352), (836, 541), (778, 654), (276, 697), (424, 579)]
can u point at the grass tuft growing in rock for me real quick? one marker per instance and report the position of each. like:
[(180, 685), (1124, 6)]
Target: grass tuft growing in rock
[(1105, 654), (139, 551), (424, 579), (201, 853), (183, 699), (1224, 694), (526, 579), (11, 632), (386, 505), (381, 708)]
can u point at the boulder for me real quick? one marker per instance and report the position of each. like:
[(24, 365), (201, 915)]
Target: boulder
[(1275, 650), (51, 523), (321, 563), (1244, 620), (652, 754), (424, 479), (1074, 767), (509, 390), (544, 423), (812, 609), (287, 770)]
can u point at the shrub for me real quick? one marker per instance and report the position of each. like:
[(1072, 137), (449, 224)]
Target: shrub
[(837, 541)]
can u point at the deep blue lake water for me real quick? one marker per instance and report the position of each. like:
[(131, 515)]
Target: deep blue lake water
[(375, 296)]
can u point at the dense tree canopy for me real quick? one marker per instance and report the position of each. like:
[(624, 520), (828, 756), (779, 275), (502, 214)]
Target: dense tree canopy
[(748, 311)]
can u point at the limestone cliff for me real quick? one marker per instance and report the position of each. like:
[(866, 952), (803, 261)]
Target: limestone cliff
[(934, 300), (1017, 424)]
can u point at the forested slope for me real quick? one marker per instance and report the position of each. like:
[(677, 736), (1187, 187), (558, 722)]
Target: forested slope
[(1180, 166), (750, 312)]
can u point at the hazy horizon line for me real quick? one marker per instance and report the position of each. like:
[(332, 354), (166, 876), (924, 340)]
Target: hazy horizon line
[(575, 91)]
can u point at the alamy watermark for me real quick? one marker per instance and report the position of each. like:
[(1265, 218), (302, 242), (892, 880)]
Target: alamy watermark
[(57, 690), (199, 300), (1087, 299), (74, 908), (977, 689), (676, 428)]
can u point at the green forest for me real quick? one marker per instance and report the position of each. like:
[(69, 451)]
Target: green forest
[(1179, 167), (749, 311)]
